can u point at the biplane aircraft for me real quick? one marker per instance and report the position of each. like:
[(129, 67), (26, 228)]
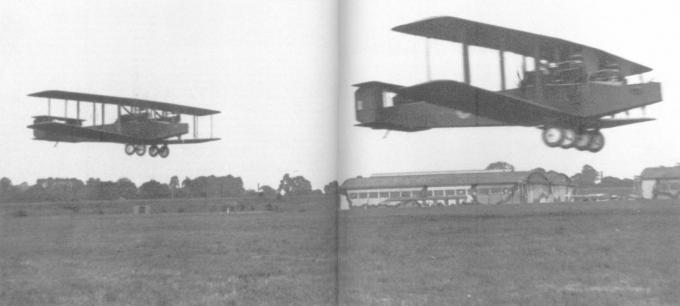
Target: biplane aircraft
[(569, 93), (139, 123)]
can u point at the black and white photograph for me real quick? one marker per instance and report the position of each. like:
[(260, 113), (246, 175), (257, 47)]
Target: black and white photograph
[(339, 152)]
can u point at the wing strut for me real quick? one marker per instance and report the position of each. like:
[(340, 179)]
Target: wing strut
[(466, 63), (428, 59)]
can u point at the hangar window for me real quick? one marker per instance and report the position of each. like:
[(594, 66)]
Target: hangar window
[(461, 192), (439, 193), (360, 105), (394, 194), (384, 194), (430, 193), (363, 195), (405, 194), (373, 195), (450, 192), (353, 195)]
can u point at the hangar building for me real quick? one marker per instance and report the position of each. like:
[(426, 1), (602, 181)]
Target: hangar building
[(660, 183), (456, 187)]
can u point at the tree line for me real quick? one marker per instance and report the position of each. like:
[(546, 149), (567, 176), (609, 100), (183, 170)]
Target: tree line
[(72, 189), (588, 177)]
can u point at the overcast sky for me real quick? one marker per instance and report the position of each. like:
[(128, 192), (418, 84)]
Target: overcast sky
[(270, 67), (644, 32)]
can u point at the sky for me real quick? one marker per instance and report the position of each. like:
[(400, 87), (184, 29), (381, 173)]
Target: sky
[(643, 32), (268, 66), (281, 72)]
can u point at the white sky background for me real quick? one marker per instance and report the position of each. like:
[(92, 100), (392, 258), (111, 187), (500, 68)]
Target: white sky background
[(644, 32), (268, 66)]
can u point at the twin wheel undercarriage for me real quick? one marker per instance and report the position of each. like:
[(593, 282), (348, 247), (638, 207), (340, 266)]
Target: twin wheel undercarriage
[(566, 138), (154, 150)]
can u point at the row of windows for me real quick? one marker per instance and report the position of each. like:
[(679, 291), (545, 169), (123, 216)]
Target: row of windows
[(408, 194)]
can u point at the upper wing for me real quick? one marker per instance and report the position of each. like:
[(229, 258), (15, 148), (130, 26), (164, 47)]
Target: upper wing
[(485, 103), (500, 38), (85, 133), (75, 96)]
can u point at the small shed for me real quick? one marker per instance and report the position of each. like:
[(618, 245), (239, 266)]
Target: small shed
[(660, 182)]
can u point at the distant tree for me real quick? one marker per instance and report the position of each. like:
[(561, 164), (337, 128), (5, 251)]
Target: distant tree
[(154, 190), (294, 185), (500, 165), (610, 181), (174, 183), (331, 188), (267, 191), (5, 184), (7, 191), (126, 189), (539, 170), (587, 177)]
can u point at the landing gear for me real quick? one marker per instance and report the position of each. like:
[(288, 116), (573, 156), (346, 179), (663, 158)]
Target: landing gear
[(164, 151), (140, 150), (568, 139), (552, 136), (596, 142), (129, 149), (592, 141), (153, 150)]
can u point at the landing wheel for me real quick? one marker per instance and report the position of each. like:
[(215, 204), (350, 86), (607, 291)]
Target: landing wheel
[(582, 142), (164, 151), (140, 150), (596, 142), (569, 139), (553, 136), (129, 149), (153, 150)]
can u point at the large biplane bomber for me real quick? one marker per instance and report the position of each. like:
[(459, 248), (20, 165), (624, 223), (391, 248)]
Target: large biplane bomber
[(138, 124), (571, 93)]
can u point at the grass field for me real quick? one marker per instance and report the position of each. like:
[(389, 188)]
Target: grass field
[(191, 258), (610, 253)]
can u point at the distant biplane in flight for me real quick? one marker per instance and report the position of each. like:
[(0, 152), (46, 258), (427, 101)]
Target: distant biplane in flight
[(139, 123), (567, 94)]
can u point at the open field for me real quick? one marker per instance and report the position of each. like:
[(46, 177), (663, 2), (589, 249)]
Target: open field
[(608, 253), (52, 255)]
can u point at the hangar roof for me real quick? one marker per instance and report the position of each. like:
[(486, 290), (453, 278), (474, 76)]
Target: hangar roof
[(661, 172), (444, 179)]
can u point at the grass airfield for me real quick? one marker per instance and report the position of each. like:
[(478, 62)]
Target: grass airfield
[(191, 258), (608, 253)]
